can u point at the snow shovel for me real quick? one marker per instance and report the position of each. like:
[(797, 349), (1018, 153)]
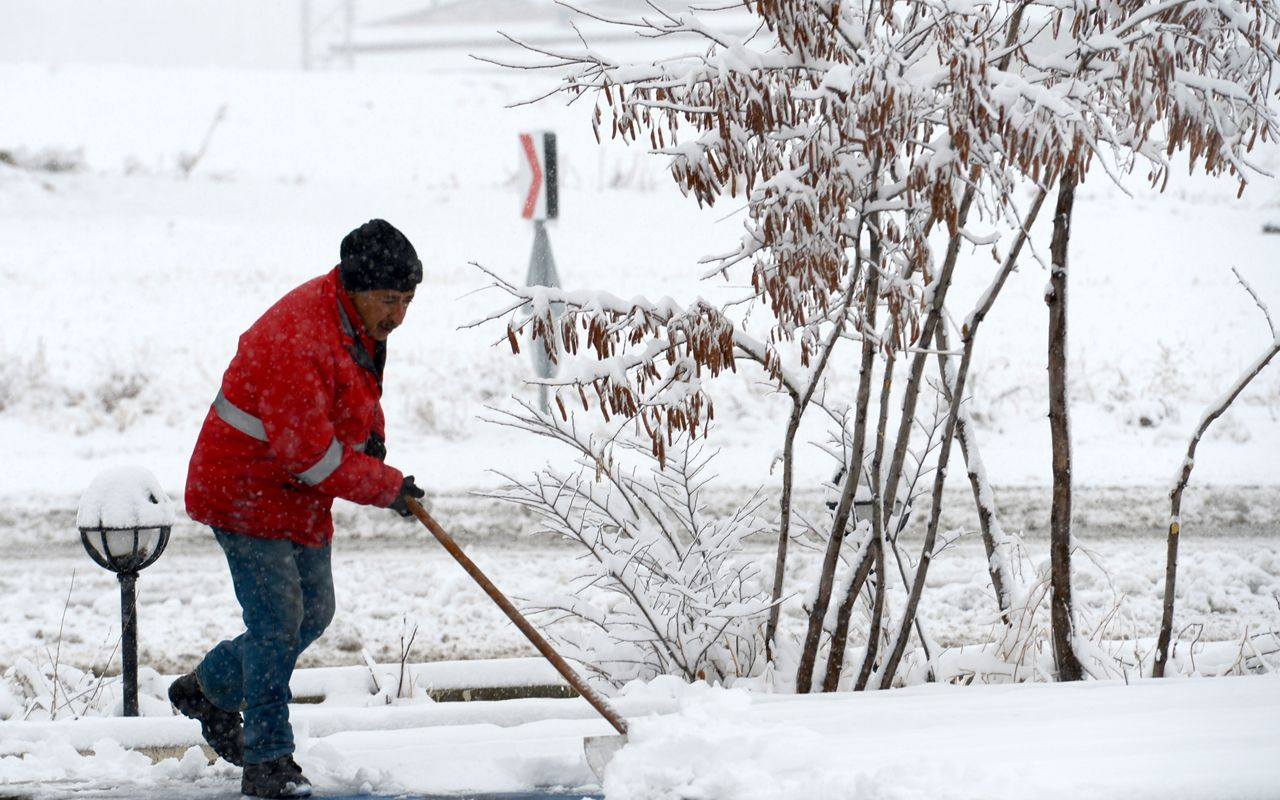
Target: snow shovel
[(599, 749)]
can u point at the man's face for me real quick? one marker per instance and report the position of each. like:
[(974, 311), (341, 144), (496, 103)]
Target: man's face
[(381, 310)]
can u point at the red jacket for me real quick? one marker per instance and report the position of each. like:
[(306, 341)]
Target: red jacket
[(286, 433)]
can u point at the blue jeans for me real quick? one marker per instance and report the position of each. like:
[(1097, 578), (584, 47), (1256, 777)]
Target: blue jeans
[(286, 595)]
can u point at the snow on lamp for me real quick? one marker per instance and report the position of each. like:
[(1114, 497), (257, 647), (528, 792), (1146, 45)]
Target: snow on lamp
[(124, 520)]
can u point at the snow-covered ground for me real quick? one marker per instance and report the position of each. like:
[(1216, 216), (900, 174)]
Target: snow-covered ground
[(148, 215), (1154, 739)]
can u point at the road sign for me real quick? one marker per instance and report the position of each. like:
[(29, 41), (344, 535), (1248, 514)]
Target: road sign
[(538, 166)]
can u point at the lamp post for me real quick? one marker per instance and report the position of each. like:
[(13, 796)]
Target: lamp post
[(124, 520)]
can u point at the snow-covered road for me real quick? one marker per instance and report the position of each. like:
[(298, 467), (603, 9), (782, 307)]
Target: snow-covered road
[(392, 577)]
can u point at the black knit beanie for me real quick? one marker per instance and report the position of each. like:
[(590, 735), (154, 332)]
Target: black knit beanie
[(377, 256)]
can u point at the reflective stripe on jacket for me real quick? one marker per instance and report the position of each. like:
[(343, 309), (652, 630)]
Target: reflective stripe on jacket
[(250, 425), (286, 433)]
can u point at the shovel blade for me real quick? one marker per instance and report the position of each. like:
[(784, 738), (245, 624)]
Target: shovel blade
[(600, 750)]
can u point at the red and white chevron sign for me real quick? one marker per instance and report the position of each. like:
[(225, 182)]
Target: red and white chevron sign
[(538, 167)]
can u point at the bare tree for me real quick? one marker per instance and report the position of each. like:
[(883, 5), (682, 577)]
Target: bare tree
[(891, 122), (1068, 664)]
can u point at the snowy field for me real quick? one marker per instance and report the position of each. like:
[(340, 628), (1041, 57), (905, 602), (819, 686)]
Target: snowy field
[(149, 214)]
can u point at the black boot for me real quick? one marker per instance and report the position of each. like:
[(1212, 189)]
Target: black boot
[(275, 779), (223, 730)]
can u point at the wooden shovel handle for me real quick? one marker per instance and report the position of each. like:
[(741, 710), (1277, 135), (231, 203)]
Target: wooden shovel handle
[(515, 616)]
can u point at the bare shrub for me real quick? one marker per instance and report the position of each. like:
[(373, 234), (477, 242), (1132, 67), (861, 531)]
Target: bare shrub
[(665, 589)]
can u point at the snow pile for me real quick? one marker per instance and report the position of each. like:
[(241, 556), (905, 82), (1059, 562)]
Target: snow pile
[(51, 767), (1178, 739)]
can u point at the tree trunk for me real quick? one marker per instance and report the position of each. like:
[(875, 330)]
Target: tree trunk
[(1171, 570), (878, 523), (784, 524), (1065, 659), (826, 579), (877, 615), (835, 657)]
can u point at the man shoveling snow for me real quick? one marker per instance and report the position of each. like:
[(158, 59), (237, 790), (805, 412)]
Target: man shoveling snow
[(297, 422)]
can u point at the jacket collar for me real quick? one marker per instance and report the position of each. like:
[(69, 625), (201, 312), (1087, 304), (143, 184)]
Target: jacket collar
[(367, 353)]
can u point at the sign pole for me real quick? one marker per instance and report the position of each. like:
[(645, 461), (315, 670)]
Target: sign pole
[(542, 272), (541, 203)]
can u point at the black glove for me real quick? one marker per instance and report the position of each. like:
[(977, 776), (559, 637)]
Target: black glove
[(375, 446), (407, 489)]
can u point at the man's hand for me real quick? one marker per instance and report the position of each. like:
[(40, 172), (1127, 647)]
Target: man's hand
[(407, 489)]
